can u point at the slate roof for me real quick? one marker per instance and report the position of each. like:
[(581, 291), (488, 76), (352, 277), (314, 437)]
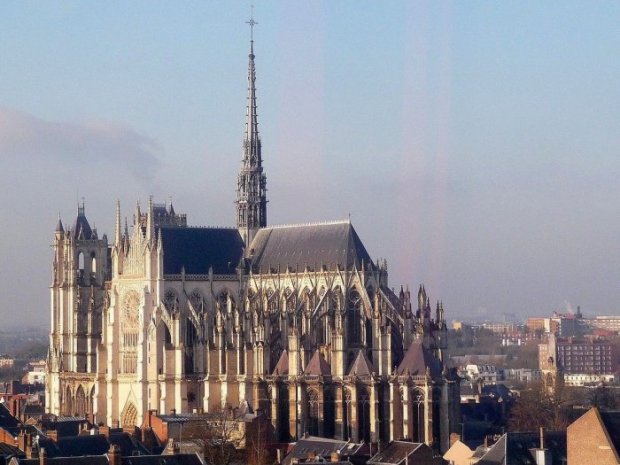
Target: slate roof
[(81, 226), (282, 365), (7, 450), (318, 365), (178, 459), (322, 447), (515, 449), (96, 444), (198, 249), (6, 419), (395, 452), (417, 359), (314, 245), (361, 366), (611, 420), (88, 460)]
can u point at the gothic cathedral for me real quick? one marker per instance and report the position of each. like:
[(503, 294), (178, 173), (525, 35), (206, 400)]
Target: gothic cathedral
[(296, 321)]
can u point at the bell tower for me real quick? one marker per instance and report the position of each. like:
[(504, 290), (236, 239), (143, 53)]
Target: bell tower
[(78, 297)]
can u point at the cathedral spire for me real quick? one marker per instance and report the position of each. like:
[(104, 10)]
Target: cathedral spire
[(252, 182)]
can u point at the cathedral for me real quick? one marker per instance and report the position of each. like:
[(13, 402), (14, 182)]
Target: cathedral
[(294, 321)]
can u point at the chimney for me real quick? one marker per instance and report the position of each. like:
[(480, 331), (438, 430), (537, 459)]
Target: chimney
[(541, 455), (42, 457), (14, 407), (114, 455), (22, 441), (172, 447)]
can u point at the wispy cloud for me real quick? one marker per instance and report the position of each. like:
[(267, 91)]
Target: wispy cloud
[(25, 135)]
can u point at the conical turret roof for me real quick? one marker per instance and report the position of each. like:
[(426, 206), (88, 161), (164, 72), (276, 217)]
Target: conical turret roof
[(282, 365), (361, 365), (418, 360), (318, 365)]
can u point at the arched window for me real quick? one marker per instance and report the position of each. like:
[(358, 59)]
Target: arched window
[(80, 402), (68, 404), (354, 318), (346, 414), (313, 412), (130, 329), (93, 262), (418, 400), (196, 300), (363, 413), (81, 261), (283, 411), (190, 339)]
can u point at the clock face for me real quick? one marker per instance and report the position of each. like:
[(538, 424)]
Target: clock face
[(130, 310)]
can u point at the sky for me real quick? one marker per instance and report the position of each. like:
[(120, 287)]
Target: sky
[(474, 144)]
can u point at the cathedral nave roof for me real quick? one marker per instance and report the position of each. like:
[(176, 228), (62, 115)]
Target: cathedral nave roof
[(325, 244), (198, 249)]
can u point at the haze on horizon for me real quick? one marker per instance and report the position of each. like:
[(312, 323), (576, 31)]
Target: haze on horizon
[(475, 145)]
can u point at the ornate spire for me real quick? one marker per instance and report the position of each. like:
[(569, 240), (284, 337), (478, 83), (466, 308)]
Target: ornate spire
[(252, 182), (117, 226), (150, 222), (251, 121)]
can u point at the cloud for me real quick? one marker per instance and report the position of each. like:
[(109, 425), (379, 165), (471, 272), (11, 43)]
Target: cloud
[(90, 143)]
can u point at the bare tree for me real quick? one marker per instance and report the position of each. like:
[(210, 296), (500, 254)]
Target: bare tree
[(257, 438), (536, 407), (221, 434)]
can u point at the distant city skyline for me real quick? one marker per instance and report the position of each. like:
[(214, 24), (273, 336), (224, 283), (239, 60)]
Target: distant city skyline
[(475, 146)]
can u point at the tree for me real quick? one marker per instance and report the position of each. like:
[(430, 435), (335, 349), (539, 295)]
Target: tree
[(602, 397), (221, 434), (257, 438), (536, 407)]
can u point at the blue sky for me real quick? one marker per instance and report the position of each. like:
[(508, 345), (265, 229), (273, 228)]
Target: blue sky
[(474, 144)]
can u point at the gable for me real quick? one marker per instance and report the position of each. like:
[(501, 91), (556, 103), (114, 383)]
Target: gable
[(589, 442)]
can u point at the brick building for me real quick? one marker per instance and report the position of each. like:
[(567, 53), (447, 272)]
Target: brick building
[(594, 438)]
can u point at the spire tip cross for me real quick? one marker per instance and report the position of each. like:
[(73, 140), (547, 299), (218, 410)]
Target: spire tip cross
[(252, 23)]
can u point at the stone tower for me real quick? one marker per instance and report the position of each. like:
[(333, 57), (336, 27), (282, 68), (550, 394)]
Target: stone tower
[(80, 271), (252, 182)]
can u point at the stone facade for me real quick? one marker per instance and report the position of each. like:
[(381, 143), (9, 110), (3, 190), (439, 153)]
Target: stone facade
[(295, 321)]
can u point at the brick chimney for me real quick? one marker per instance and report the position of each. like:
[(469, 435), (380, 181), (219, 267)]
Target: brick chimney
[(14, 407), (114, 455)]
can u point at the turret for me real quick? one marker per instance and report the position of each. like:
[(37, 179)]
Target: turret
[(421, 299), (59, 233)]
